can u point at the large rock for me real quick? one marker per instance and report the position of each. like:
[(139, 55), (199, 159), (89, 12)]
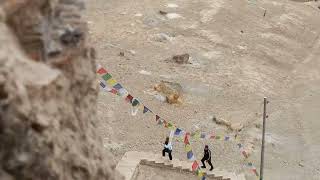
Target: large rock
[(172, 91), (48, 95)]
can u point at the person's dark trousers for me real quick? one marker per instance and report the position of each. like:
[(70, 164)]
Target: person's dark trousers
[(208, 160), (166, 150)]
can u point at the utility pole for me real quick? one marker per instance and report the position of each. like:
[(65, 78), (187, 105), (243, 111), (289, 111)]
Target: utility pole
[(265, 102)]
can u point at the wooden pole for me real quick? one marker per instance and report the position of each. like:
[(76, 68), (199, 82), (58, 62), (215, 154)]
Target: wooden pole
[(263, 137)]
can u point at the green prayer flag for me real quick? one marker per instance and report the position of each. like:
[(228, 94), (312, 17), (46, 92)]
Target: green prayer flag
[(106, 77)]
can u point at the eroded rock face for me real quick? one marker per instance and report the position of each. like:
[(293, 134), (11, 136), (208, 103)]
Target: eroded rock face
[(48, 94)]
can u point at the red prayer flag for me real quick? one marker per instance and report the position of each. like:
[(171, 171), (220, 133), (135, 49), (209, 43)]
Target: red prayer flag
[(245, 154), (254, 170), (186, 139), (195, 166), (129, 98), (114, 91), (102, 71)]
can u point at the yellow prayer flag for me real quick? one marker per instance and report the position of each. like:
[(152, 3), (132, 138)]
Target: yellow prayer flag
[(188, 147), (112, 82), (201, 174)]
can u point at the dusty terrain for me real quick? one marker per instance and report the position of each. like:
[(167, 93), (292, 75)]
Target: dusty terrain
[(238, 56), (153, 173), (48, 95)]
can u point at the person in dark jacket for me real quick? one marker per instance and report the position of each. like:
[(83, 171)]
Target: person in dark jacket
[(167, 148), (206, 157)]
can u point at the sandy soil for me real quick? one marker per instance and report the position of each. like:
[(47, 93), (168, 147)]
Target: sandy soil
[(146, 172), (238, 57)]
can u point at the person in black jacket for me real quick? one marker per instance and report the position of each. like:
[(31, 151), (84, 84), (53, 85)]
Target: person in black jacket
[(206, 157)]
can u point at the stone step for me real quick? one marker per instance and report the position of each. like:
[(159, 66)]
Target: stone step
[(129, 162), (230, 176), (216, 173), (176, 163), (241, 177), (186, 165)]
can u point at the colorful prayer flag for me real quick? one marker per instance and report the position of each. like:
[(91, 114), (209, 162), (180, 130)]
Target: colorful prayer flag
[(102, 85), (201, 173), (117, 86), (207, 136), (113, 91), (129, 98), (106, 77), (123, 92), (135, 102), (177, 132), (190, 155), (186, 139), (254, 170), (244, 153), (145, 109), (196, 135), (112, 82), (202, 136), (165, 123), (195, 166), (170, 125), (102, 71), (188, 148)]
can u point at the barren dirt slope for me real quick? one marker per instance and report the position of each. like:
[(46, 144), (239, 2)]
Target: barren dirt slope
[(238, 56)]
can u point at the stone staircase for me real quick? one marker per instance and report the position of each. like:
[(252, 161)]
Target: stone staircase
[(128, 166)]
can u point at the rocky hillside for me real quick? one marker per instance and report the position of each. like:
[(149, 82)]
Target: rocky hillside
[(239, 51), (48, 94)]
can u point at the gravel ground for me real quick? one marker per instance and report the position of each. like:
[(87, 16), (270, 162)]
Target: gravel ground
[(240, 52)]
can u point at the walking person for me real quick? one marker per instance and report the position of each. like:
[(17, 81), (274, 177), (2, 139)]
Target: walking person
[(206, 157), (167, 148)]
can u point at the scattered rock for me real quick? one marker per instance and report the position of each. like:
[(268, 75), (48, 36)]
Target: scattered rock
[(242, 31), (138, 15), (152, 22), (180, 59), (233, 127), (236, 127), (132, 52), (221, 121), (113, 147), (301, 164), (171, 5), (145, 72), (173, 16), (121, 54), (257, 125), (162, 37), (172, 91), (163, 12), (160, 97)]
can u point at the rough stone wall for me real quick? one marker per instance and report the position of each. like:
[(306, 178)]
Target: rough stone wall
[(48, 94)]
